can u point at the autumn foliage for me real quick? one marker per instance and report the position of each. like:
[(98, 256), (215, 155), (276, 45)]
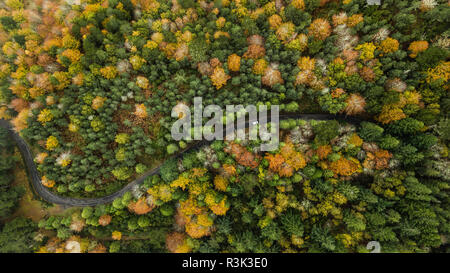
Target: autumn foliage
[(234, 62), (140, 207), (242, 155), (219, 77), (320, 29), (416, 47), (355, 104), (287, 161), (345, 167), (176, 243)]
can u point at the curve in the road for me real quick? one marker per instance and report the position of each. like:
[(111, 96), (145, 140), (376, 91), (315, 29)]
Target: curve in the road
[(52, 197)]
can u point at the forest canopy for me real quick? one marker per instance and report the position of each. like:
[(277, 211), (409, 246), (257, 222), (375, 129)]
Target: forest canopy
[(90, 86)]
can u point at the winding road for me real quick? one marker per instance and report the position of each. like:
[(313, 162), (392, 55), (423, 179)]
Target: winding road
[(52, 197)]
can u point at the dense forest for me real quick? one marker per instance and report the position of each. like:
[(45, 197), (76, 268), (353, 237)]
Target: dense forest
[(90, 85)]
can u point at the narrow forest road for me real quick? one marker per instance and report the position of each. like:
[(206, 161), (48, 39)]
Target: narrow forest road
[(52, 197)]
